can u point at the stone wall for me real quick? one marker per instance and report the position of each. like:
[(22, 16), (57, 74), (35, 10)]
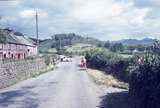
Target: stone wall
[(12, 72)]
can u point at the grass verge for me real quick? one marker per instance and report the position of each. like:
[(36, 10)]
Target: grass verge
[(105, 79)]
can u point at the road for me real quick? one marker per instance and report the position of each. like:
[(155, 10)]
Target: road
[(65, 87)]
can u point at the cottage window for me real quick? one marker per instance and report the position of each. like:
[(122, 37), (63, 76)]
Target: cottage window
[(12, 56), (4, 56), (19, 56), (24, 55)]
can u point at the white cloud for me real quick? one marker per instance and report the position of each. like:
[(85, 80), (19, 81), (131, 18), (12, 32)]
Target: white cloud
[(105, 19), (28, 13), (110, 18), (94, 10), (108, 12)]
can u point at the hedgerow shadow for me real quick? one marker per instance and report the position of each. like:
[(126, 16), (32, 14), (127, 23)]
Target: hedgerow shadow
[(115, 100), (21, 98)]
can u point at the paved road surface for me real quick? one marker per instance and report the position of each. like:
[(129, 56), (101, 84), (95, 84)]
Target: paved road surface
[(65, 87)]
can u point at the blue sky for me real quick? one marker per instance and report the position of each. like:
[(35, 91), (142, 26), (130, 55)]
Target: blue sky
[(103, 19)]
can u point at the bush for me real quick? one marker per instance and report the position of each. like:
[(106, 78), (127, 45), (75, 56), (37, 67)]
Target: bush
[(47, 60), (109, 62), (143, 74), (156, 47), (145, 82)]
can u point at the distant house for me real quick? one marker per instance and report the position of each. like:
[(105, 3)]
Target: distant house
[(135, 51), (16, 46)]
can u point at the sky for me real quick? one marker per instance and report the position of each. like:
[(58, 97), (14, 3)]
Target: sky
[(102, 19)]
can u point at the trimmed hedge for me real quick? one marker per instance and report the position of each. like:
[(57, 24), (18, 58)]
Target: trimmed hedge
[(145, 82)]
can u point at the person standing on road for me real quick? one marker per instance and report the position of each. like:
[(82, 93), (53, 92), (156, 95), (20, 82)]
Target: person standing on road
[(83, 62)]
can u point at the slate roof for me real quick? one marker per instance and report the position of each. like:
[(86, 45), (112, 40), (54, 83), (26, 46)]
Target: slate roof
[(14, 39), (10, 39), (31, 41), (7, 38), (22, 40)]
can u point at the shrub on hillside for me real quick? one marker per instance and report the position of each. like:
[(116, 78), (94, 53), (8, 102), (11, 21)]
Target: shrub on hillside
[(145, 82)]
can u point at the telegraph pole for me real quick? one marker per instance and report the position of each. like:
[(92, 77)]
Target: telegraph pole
[(37, 35), (60, 43)]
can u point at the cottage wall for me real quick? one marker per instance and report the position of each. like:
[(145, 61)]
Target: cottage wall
[(15, 71), (16, 46), (32, 51), (17, 51)]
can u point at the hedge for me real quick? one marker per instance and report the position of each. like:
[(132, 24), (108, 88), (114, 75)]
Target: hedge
[(109, 62), (144, 82), (142, 73)]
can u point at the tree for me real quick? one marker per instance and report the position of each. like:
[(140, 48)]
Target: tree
[(131, 48), (100, 45), (117, 47), (61, 51), (141, 47), (107, 44), (156, 47)]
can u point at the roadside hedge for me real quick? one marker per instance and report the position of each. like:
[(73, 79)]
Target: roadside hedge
[(109, 62), (141, 71), (144, 82)]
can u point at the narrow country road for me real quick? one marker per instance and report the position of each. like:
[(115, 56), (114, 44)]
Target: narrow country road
[(65, 87)]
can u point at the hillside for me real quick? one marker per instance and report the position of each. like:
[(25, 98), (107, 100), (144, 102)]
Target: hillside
[(67, 40), (79, 48), (71, 39), (145, 41)]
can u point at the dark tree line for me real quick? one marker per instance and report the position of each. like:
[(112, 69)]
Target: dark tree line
[(115, 47), (119, 47)]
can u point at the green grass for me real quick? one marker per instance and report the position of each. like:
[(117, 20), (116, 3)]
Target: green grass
[(52, 50), (79, 48), (126, 55)]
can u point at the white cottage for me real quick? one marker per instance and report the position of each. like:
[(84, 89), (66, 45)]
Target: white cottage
[(15, 46)]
